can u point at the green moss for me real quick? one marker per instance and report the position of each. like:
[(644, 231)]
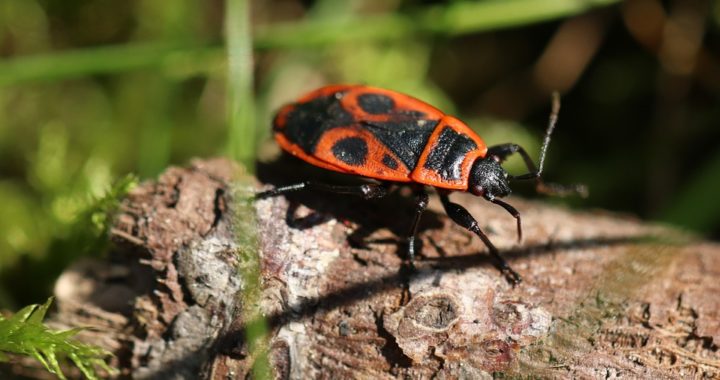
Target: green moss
[(25, 334)]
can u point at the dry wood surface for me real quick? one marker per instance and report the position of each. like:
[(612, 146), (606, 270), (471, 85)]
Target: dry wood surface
[(603, 295)]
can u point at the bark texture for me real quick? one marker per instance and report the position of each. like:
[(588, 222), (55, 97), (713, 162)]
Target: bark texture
[(603, 296)]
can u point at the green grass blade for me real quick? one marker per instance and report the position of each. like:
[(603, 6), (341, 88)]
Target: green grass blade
[(103, 60), (242, 148), (470, 17), (240, 82), (455, 19)]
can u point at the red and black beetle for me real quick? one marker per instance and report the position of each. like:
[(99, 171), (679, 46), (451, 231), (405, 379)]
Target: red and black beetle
[(394, 138)]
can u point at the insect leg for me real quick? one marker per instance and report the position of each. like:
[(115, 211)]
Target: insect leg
[(508, 149), (510, 209), (462, 217), (366, 191), (421, 202), (502, 151)]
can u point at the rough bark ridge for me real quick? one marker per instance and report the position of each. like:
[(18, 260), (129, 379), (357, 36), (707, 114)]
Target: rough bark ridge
[(603, 295)]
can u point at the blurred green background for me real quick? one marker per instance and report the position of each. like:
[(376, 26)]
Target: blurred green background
[(93, 90)]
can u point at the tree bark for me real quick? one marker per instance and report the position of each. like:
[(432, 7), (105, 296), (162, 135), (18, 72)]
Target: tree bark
[(603, 295)]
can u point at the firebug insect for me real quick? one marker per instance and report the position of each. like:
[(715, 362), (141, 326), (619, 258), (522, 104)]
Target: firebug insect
[(396, 139)]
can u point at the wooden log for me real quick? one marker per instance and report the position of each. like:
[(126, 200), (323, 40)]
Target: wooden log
[(603, 296)]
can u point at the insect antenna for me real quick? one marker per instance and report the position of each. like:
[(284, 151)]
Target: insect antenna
[(543, 187), (553, 188), (552, 121)]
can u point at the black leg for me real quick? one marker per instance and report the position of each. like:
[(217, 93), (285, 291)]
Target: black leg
[(510, 209), (462, 217), (504, 150), (421, 202), (367, 191)]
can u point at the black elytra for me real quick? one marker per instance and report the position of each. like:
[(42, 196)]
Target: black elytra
[(405, 138)]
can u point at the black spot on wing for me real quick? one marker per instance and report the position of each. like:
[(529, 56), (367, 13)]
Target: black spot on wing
[(351, 150), (389, 162), (405, 137), (376, 104), (413, 114), (306, 123), (448, 154), (379, 104)]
